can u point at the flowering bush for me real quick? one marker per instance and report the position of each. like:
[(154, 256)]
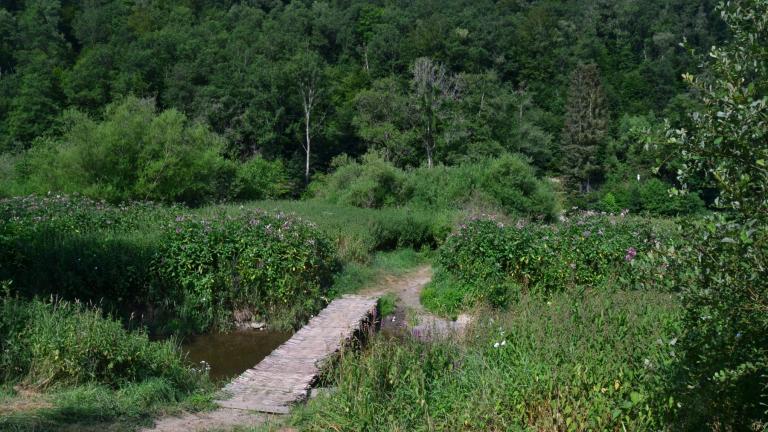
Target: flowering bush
[(254, 261), (76, 247), (587, 249), (163, 263)]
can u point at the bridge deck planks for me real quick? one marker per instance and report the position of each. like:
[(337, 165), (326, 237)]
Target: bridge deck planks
[(285, 376)]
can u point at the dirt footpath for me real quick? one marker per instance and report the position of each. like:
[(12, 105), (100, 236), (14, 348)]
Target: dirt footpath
[(410, 315)]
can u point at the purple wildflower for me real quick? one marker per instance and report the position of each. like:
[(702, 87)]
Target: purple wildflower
[(631, 253)]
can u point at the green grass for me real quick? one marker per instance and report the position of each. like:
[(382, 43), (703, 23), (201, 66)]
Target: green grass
[(358, 233), (591, 361), (94, 407), (67, 367), (387, 304), (445, 295)]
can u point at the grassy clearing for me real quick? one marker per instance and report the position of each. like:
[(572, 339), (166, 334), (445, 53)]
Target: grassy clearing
[(358, 232)]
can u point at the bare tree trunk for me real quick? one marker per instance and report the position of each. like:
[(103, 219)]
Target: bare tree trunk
[(429, 145), (308, 94), (308, 146), (365, 55)]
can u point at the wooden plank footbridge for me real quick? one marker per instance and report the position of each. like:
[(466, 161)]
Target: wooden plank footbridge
[(286, 375)]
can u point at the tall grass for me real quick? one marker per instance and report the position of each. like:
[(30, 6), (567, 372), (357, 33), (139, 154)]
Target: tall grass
[(591, 361), (359, 232), (46, 344), (75, 367)]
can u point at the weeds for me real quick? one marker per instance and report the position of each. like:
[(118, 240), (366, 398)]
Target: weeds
[(577, 362)]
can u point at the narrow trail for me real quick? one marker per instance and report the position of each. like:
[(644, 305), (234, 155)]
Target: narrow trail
[(410, 316)]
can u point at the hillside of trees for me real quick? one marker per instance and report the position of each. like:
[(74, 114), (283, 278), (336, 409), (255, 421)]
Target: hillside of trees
[(577, 87)]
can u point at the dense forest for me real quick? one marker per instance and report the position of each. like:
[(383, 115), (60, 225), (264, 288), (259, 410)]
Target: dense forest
[(573, 86)]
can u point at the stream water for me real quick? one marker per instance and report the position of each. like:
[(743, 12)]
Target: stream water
[(230, 354)]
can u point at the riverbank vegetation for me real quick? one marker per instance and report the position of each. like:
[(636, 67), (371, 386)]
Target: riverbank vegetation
[(66, 365), (176, 168)]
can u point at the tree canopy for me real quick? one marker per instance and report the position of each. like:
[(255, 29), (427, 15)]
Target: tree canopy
[(426, 82)]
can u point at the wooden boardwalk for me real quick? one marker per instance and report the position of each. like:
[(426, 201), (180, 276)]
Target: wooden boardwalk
[(285, 376)]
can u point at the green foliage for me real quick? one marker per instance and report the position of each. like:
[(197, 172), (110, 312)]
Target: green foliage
[(258, 178), (187, 275), (211, 266), (507, 183), (591, 361), (446, 295), (229, 66), (722, 378), (61, 343), (649, 196), (372, 183), (134, 153), (359, 232), (488, 262), (387, 304), (79, 248), (513, 186), (91, 406), (585, 127), (86, 369)]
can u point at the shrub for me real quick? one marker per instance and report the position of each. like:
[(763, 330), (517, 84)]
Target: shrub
[(722, 378), (359, 232), (650, 196), (79, 248), (134, 153), (508, 183), (371, 183), (61, 343), (258, 178), (443, 186), (192, 273), (723, 373), (512, 183), (211, 266), (586, 250)]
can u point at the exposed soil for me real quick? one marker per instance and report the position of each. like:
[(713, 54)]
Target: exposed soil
[(410, 316), (222, 418), (25, 400)]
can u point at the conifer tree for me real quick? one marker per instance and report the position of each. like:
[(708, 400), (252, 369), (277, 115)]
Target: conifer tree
[(585, 128)]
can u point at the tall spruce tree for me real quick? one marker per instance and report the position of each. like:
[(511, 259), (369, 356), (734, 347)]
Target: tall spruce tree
[(585, 128)]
